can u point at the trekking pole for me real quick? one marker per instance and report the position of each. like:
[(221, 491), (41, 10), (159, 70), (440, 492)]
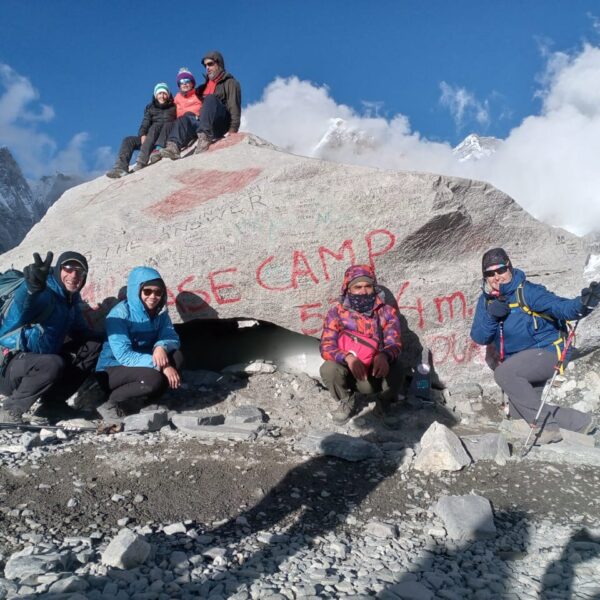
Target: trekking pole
[(557, 368)]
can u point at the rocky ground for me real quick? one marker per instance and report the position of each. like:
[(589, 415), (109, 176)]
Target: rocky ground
[(261, 505)]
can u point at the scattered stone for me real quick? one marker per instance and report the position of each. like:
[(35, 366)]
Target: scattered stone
[(441, 450), (126, 551), (192, 419), (175, 528), (47, 436), (410, 590), (31, 440), (340, 445), (252, 368), (490, 446), (466, 517), (245, 414), (27, 566), (68, 585), (146, 421), (381, 530)]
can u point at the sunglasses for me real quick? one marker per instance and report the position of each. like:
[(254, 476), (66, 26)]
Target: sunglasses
[(184, 81), (209, 63), (74, 269), (499, 271), (146, 292)]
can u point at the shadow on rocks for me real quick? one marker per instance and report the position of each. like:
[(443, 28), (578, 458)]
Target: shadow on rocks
[(454, 570), (582, 546), (314, 498)]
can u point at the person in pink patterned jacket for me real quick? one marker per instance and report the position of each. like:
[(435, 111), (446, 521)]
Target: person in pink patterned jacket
[(360, 344)]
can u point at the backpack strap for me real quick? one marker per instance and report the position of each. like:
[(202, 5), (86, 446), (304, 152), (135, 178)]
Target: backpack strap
[(38, 320)]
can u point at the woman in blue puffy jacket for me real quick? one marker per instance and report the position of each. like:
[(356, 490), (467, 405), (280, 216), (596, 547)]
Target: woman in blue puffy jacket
[(528, 343), (141, 357)]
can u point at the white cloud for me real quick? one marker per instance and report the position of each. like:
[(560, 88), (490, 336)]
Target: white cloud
[(463, 105), (22, 116), (548, 163)]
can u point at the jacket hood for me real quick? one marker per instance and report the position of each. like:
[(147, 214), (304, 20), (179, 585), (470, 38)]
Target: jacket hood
[(137, 277), (357, 271), (65, 257), (216, 56)]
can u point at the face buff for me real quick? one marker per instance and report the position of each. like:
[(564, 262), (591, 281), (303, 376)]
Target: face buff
[(362, 303)]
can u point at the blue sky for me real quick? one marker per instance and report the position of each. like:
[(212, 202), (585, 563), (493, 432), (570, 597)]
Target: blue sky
[(76, 75)]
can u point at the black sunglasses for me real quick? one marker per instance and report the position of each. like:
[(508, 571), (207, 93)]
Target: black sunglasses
[(499, 271)]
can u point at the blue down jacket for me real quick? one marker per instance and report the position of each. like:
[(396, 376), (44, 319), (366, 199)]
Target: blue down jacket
[(519, 327), (47, 337), (132, 334)]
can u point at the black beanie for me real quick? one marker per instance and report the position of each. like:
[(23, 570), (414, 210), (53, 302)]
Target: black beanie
[(71, 256), (495, 256)]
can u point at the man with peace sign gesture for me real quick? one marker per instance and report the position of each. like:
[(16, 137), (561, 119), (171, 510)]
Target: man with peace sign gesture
[(44, 339)]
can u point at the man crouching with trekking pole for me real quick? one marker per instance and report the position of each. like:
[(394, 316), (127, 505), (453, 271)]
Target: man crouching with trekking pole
[(44, 339), (527, 324)]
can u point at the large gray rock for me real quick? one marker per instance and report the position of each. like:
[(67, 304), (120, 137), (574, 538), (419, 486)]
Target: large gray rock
[(245, 414), (241, 431), (146, 421), (126, 551), (192, 419), (441, 450), (27, 566), (340, 445), (490, 446), (276, 231), (466, 517)]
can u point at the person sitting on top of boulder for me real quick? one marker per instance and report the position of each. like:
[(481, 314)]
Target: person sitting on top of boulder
[(220, 114), (156, 124), (141, 357), (360, 344), (44, 339), (526, 323)]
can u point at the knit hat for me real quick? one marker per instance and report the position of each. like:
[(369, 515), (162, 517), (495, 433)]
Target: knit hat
[(495, 256), (360, 279), (185, 73), (161, 87)]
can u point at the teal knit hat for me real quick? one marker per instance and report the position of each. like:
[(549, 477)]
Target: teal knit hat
[(161, 87)]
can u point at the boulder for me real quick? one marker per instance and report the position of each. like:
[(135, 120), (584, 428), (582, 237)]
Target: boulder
[(146, 421), (245, 414), (126, 551), (441, 450), (340, 445), (490, 446), (191, 419), (466, 517), (27, 566), (248, 230)]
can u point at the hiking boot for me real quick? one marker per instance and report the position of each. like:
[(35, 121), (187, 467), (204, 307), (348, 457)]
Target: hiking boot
[(155, 156), (8, 415), (110, 412), (117, 172), (548, 435), (203, 143), (171, 151), (88, 396), (137, 167), (345, 410)]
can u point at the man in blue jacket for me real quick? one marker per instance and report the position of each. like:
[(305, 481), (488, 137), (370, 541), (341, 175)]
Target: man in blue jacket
[(44, 339), (526, 322)]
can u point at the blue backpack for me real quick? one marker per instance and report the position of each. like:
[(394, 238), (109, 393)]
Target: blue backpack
[(10, 282)]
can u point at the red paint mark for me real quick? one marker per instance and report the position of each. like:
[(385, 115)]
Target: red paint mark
[(444, 349), (298, 271), (418, 307), (449, 301), (190, 301), (346, 246), (369, 239), (217, 287), (261, 282), (231, 140), (201, 186), (305, 315)]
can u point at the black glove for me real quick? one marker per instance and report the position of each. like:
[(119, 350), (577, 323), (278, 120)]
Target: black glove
[(498, 309), (590, 296), (36, 274)]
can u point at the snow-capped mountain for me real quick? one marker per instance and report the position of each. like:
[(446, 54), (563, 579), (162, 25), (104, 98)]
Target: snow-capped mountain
[(475, 147), (22, 203), (339, 135)]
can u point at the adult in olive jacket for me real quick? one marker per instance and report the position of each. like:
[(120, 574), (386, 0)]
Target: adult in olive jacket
[(220, 114)]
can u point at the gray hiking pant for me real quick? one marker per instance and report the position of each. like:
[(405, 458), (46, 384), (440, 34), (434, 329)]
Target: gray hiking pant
[(522, 378), (341, 383)]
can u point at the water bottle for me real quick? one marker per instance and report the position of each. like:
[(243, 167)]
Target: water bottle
[(421, 383)]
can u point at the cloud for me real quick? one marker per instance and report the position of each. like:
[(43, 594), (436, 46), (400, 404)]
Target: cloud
[(464, 106), (22, 116), (548, 163)]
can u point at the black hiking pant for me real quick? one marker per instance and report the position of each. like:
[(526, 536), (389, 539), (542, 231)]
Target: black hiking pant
[(214, 120), (51, 377), (522, 377), (131, 386), (157, 136)]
